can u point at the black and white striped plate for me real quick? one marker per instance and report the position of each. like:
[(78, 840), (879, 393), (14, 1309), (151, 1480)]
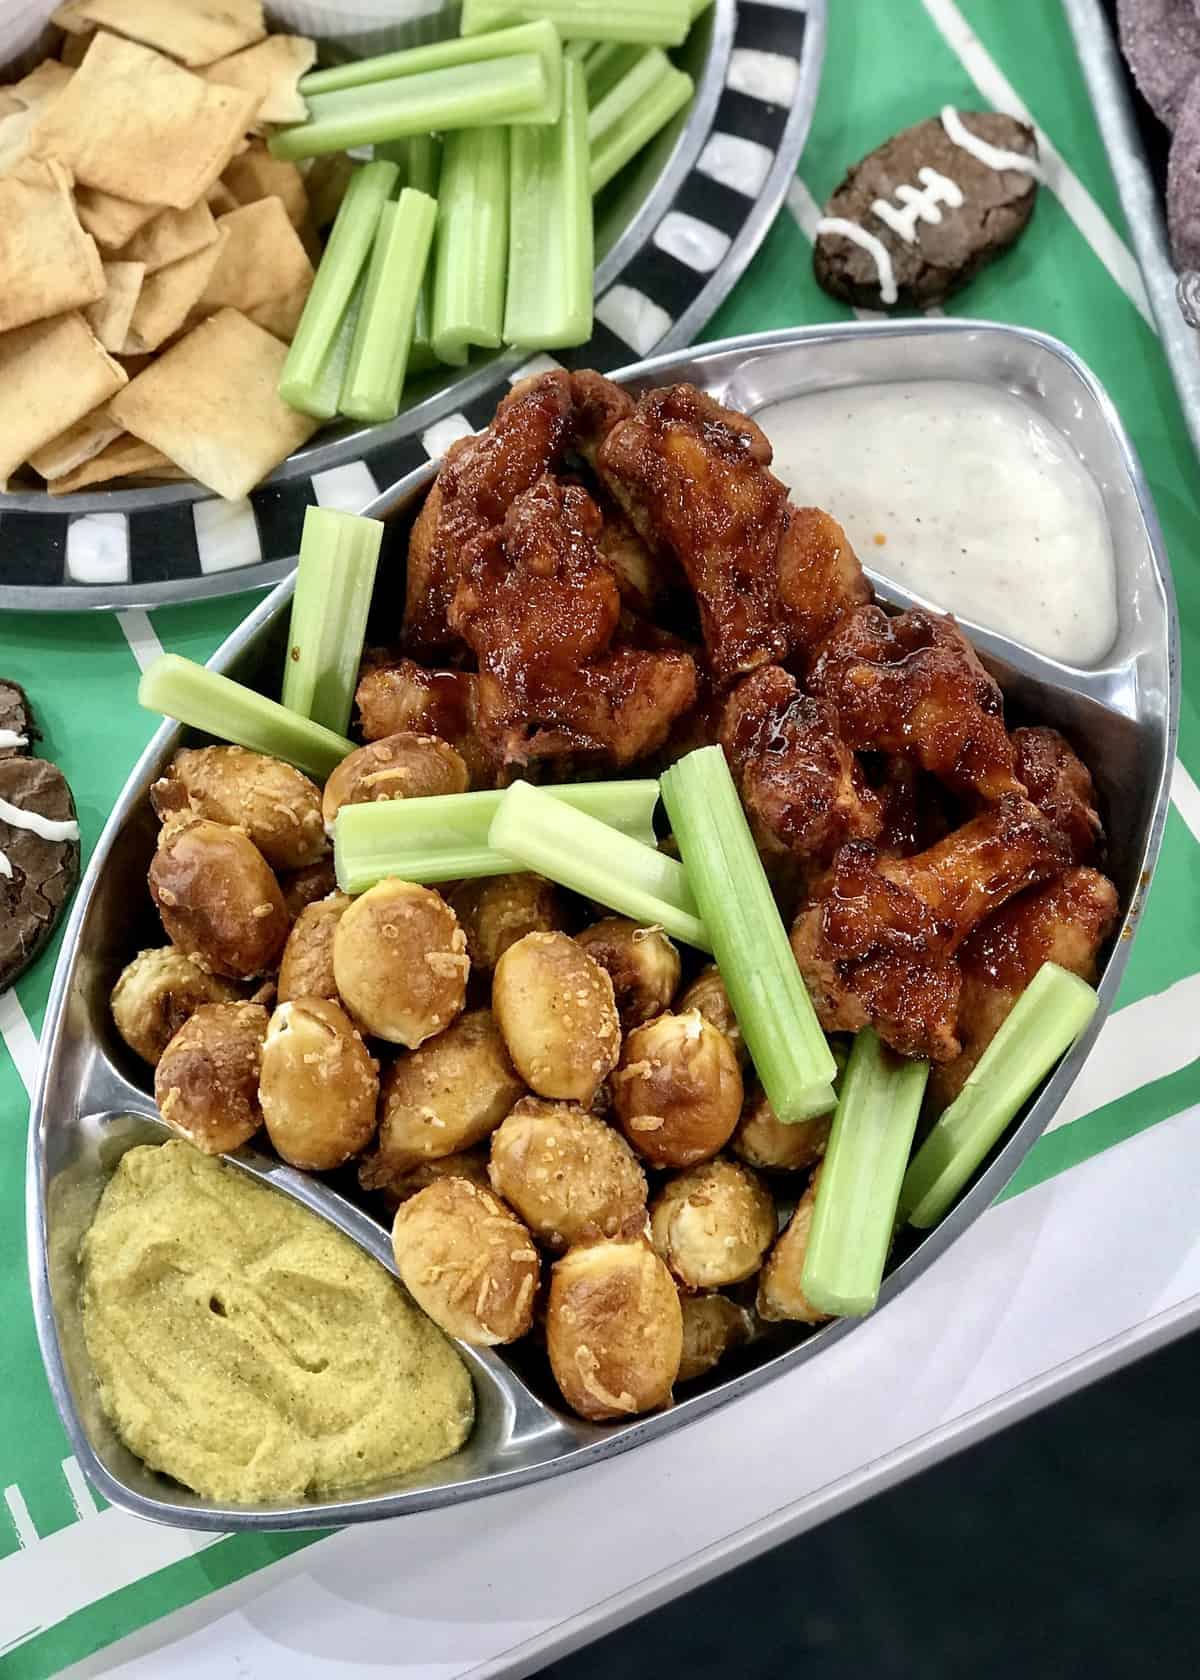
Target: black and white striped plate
[(671, 265)]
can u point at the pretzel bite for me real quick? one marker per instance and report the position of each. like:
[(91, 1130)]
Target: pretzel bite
[(556, 1010), (707, 994), (302, 887), (156, 993), (318, 1085), (400, 962), (779, 1293), (467, 1261), (713, 1224), (712, 1324), (678, 1090), (404, 766), (568, 1175), (278, 808), (614, 1328), (444, 1097), (641, 962), (762, 1140), (218, 899), (306, 967), (500, 909), (206, 1081)]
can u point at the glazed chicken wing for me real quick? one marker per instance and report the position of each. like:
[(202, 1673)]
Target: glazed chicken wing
[(877, 948), (802, 787), (540, 609), (405, 697), (820, 578), (1060, 785), (913, 684), (479, 480), (1064, 922)]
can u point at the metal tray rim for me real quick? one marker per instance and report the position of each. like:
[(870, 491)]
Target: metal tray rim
[(970, 1206)]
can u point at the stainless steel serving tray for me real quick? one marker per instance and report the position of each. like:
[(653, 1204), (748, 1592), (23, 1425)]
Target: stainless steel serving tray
[(93, 1100)]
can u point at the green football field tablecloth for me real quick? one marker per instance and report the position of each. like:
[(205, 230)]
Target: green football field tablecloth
[(889, 63)]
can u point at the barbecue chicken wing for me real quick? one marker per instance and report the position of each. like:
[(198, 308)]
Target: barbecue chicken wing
[(479, 480), (877, 948), (802, 787), (1060, 785), (1064, 922), (405, 696), (820, 579), (912, 684), (540, 609)]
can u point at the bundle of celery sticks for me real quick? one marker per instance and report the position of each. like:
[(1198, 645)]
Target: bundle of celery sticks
[(472, 225)]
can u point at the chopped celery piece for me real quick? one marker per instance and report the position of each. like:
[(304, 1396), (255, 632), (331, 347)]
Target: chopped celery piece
[(550, 245), (472, 244), (631, 114), (606, 64), (662, 23), (178, 688), (769, 998), (379, 355), (538, 37), (420, 159), (445, 837), (496, 90), (322, 399), (579, 852), (855, 1211), (301, 383), (1046, 1020), (334, 579)]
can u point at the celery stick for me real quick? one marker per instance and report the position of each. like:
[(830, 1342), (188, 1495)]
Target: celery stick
[(662, 23), (178, 688), (420, 159), (301, 383), (573, 49), (472, 244), (550, 247), (540, 37), (695, 7), (631, 114), (855, 1212), (334, 580), (445, 837), (606, 64), (322, 399), (591, 858), (769, 998), (379, 355), (498, 90), (1046, 1020)]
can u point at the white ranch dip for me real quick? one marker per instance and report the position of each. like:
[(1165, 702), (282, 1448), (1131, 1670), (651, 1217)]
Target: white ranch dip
[(966, 497)]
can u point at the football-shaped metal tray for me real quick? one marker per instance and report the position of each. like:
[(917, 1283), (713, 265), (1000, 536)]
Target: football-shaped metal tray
[(94, 1099)]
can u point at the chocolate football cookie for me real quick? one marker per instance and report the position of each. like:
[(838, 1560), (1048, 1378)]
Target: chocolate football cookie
[(918, 216), (39, 841), (1161, 43)]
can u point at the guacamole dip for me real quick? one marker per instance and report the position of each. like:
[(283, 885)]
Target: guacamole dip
[(248, 1349)]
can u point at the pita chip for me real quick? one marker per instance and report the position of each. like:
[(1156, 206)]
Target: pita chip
[(261, 261), (270, 69), (110, 316), (256, 174), (168, 297), (8, 105), (87, 437), (170, 236), (219, 198), (194, 31), (47, 262), (133, 124), (228, 430), (16, 135), (41, 85), (112, 222), (74, 48), (125, 457), (52, 373)]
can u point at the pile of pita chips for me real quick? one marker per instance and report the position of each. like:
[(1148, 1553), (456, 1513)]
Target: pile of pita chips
[(146, 230)]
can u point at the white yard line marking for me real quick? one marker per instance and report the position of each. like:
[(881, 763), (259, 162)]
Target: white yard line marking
[(20, 1040), (1146, 1041), (82, 1496), (807, 213), (1066, 186), (139, 633), (22, 1522), (1185, 796)]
